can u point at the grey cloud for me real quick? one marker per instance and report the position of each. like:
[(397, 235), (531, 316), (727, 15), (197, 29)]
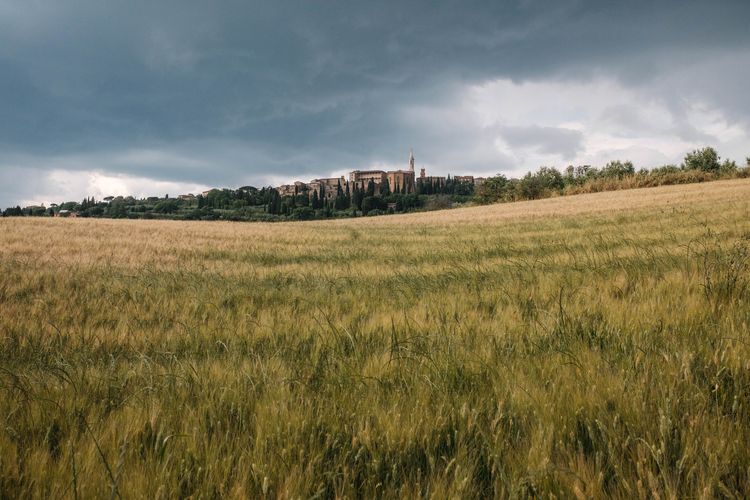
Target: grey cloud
[(545, 140), (625, 121), (280, 88)]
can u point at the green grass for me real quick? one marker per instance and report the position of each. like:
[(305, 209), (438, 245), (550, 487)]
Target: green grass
[(582, 346)]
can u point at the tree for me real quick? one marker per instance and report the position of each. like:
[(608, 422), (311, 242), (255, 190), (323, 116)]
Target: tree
[(302, 200), (316, 204), (357, 196), (370, 203), (274, 202), (706, 159), (617, 169), (550, 178), (303, 213), (166, 207), (493, 189), (385, 188), (531, 187), (13, 211)]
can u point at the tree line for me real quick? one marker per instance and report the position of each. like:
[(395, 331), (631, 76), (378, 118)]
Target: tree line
[(350, 200), (700, 165), (252, 204)]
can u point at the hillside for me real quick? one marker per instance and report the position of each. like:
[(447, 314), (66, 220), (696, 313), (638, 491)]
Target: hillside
[(584, 345)]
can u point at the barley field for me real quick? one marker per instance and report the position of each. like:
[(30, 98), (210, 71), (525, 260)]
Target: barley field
[(584, 346)]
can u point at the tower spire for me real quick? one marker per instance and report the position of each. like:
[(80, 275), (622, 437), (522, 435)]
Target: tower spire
[(411, 159)]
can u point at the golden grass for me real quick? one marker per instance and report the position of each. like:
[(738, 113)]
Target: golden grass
[(578, 346)]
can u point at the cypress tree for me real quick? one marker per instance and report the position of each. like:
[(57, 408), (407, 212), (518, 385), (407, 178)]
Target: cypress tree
[(385, 188), (357, 198), (315, 200)]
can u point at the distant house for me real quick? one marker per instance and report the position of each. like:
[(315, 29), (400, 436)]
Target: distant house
[(329, 186), (292, 189), (66, 213)]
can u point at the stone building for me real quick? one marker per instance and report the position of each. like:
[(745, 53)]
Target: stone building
[(403, 180), (292, 189), (361, 178), (330, 186), (429, 179)]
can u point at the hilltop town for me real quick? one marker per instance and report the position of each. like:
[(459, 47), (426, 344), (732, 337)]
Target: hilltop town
[(365, 192), (392, 181)]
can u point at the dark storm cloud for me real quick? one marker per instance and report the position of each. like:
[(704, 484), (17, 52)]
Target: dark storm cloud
[(253, 89)]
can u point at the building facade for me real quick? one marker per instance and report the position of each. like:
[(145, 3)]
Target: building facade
[(330, 186), (402, 181), (361, 178)]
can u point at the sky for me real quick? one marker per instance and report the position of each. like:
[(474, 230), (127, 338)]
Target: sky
[(155, 97)]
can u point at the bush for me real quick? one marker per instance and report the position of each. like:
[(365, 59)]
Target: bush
[(439, 202), (166, 207), (728, 167), (372, 203), (302, 213)]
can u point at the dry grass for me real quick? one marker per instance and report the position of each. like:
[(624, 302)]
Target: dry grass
[(578, 346)]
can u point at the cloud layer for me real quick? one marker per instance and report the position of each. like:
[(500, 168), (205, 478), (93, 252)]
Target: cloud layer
[(188, 94)]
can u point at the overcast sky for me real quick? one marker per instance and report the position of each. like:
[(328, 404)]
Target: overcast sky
[(101, 97)]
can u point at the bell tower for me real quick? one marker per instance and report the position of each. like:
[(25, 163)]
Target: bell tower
[(411, 160)]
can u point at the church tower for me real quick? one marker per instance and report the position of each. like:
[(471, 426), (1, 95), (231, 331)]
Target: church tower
[(411, 160)]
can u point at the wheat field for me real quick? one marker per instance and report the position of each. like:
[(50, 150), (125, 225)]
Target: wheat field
[(584, 346)]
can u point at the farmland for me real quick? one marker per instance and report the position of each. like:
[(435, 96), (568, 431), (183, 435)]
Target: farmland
[(584, 345)]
